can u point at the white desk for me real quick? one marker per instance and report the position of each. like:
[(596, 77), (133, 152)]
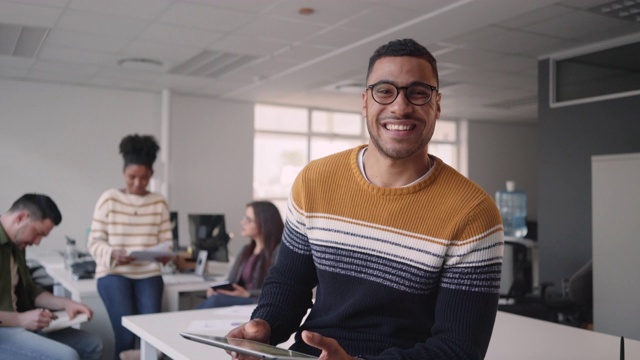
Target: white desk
[(522, 338), (85, 291), (514, 337), (160, 332), (175, 284)]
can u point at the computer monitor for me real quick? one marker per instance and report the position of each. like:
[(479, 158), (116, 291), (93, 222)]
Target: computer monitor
[(208, 233), (173, 216)]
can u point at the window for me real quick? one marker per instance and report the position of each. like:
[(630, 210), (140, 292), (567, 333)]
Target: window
[(287, 138)]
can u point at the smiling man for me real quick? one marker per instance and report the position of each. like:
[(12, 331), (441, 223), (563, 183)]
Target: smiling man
[(25, 309), (405, 252)]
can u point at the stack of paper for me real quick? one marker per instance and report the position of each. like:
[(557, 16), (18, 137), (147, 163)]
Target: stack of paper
[(63, 321)]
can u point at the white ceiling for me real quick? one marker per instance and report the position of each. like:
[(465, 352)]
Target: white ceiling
[(487, 50)]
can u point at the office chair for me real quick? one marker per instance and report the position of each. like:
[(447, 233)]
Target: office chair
[(575, 305)]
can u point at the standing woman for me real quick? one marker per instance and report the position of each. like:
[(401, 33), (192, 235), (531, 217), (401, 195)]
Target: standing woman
[(262, 223), (126, 220)]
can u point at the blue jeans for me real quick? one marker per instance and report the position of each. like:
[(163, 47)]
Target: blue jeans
[(66, 344), (122, 297), (221, 300)]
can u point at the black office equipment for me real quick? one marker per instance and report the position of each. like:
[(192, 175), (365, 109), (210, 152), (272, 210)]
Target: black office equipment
[(83, 269), (574, 306), (173, 216), (208, 233)]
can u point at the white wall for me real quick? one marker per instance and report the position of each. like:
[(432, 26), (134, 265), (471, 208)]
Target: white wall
[(211, 161), (63, 141)]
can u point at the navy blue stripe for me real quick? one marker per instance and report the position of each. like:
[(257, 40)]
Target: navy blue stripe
[(387, 268)]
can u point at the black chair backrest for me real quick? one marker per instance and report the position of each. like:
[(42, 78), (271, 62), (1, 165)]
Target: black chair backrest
[(581, 285)]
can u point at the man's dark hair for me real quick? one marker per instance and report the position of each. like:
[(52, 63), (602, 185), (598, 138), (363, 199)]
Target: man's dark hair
[(139, 150), (404, 47), (39, 207)]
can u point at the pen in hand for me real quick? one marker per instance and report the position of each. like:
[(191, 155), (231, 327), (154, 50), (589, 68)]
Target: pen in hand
[(53, 315)]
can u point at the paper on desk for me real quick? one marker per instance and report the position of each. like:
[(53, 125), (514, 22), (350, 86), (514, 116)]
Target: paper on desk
[(213, 325), (63, 321), (242, 312), (150, 254), (245, 310)]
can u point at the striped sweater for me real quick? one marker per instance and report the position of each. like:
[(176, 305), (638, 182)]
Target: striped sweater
[(130, 222), (401, 273)]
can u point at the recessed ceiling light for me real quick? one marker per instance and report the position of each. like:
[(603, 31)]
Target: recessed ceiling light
[(306, 11), (141, 64)]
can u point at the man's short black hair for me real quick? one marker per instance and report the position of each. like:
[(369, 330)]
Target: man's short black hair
[(404, 47), (39, 207)]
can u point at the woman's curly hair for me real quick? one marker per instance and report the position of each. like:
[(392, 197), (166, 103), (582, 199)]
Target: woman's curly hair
[(139, 150)]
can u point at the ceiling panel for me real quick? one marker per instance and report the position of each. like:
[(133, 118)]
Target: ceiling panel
[(28, 14), (170, 34), (572, 25), (86, 41), (269, 27), (58, 54), (205, 17), (142, 9), (100, 24)]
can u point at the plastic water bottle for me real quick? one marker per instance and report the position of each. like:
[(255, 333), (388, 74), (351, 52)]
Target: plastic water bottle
[(70, 253), (513, 208)]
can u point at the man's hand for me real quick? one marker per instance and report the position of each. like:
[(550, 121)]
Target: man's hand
[(35, 319), (256, 330), (331, 350), (73, 308)]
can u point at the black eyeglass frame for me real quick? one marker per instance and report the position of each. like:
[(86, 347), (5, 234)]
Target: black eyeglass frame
[(406, 89)]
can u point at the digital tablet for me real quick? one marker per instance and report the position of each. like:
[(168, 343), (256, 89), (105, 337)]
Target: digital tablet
[(222, 285), (248, 347)]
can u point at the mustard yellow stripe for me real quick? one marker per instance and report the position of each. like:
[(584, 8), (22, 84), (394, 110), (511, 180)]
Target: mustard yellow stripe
[(119, 201)]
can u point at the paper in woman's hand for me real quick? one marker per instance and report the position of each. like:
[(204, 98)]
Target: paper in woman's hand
[(153, 253)]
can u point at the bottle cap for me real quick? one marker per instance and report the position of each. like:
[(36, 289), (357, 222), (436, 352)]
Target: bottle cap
[(511, 185)]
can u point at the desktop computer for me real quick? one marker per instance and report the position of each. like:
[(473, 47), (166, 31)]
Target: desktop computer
[(208, 232)]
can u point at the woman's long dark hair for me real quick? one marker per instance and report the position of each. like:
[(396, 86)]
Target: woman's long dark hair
[(270, 225)]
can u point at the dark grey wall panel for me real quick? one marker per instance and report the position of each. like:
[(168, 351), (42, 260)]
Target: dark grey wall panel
[(569, 136), (501, 151)]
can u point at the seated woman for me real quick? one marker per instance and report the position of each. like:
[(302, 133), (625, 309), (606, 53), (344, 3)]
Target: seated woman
[(262, 223)]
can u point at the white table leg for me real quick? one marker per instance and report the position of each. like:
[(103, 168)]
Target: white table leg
[(147, 351)]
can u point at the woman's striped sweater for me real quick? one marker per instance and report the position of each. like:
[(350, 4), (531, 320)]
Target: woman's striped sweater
[(401, 273), (130, 222)]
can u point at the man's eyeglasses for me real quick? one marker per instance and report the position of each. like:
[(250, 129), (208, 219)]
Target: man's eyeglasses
[(384, 93)]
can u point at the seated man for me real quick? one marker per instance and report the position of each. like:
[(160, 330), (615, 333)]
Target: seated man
[(25, 309)]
